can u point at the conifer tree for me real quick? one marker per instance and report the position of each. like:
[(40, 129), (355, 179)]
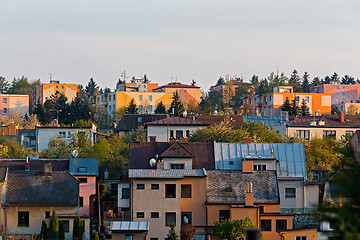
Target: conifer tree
[(160, 108), (177, 107), (304, 109), (286, 106), (172, 235), (43, 232), (294, 110), (132, 108), (61, 230), (305, 83), (78, 233), (54, 227)]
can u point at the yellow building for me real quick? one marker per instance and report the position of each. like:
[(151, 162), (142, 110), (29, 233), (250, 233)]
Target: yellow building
[(306, 233), (186, 92), (9, 130)]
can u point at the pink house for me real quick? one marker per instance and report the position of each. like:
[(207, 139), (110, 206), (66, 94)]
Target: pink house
[(86, 171), (333, 88), (13, 102)]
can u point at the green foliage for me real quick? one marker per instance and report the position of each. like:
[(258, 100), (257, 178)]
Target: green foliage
[(286, 105), (61, 230), (223, 132), (43, 232), (295, 82), (243, 90), (139, 135), (232, 229), (10, 148), (352, 109), (57, 148), (4, 85), (132, 108), (177, 107), (90, 88), (294, 110), (78, 233), (334, 110), (96, 236), (304, 109), (216, 98), (173, 235), (205, 106), (306, 84), (160, 108), (83, 123), (54, 227)]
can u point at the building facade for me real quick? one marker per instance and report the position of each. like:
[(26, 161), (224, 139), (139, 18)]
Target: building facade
[(13, 103), (186, 92)]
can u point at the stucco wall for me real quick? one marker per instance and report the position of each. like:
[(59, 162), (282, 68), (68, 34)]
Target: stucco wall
[(162, 133), (123, 202), (85, 190), (319, 131), (296, 202)]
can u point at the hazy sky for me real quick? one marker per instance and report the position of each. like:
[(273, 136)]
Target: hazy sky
[(188, 39)]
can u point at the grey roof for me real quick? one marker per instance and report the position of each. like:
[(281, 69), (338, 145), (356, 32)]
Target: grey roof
[(129, 226), (166, 173), (84, 166), (268, 121), (3, 171), (130, 122), (30, 188), (229, 187), (290, 157)]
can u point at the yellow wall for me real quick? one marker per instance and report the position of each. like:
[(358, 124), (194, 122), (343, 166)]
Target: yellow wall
[(123, 99), (273, 235), (311, 234), (213, 213), (69, 90), (122, 236), (9, 130)]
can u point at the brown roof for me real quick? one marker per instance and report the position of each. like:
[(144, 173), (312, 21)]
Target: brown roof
[(141, 153), (177, 150), (351, 121), (176, 121), (177, 85), (234, 121), (35, 165), (319, 168)]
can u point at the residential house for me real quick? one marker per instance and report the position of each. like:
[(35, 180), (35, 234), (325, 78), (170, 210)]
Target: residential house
[(304, 233), (13, 103), (266, 103), (333, 88), (173, 127), (136, 85), (297, 194), (348, 107), (325, 126), (9, 130), (45, 134), (131, 122)]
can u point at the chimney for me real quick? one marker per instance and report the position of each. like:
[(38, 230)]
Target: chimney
[(341, 117), (48, 168), (172, 141), (249, 196), (247, 166), (27, 165), (152, 138), (183, 140), (160, 165), (247, 140)]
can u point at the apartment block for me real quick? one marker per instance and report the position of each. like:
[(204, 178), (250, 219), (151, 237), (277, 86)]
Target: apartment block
[(186, 92), (13, 102)]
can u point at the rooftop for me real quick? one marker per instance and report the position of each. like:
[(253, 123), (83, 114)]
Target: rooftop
[(177, 85), (84, 166), (166, 173), (129, 122), (268, 121), (177, 121), (327, 121), (177, 150)]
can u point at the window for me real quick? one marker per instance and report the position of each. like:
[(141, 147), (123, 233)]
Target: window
[(179, 91), (224, 214), (280, 225), (337, 87), (305, 134), (269, 98), (349, 132), (307, 99), (81, 201), (337, 94), (125, 193), (155, 186), (177, 166), (114, 97), (185, 97), (170, 190), (82, 169), (265, 225), (150, 108), (179, 133), (329, 134), (343, 88), (260, 167), (140, 97), (170, 218), (184, 91), (4, 100), (82, 180), (343, 94), (186, 191), (290, 192), (140, 186), (301, 237), (155, 215), (297, 98), (261, 209), (150, 97), (57, 87), (4, 110), (47, 214), (187, 133), (23, 219), (186, 217), (171, 134), (128, 237), (140, 108), (140, 215), (66, 225), (139, 119), (184, 103), (62, 134), (62, 87)]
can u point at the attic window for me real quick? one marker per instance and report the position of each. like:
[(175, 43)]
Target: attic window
[(82, 169), (231, 162), (228, 189)]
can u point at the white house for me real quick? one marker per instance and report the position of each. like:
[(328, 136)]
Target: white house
[(173, 127), (45, 134)]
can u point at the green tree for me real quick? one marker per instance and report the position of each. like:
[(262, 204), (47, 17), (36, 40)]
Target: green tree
[(54, 227), (90, 88), (193, 83), (228, 93), (96, 236), (316, 81), (347, 80), (305, 82), (173, 235), (4, 85), (334, 110), (243, 90), (160, 108), (43, 232), (304, 109), (232, 229), (205, 106), (132, 108), (295, 82), (10, 148), (177, 107), (352, 109), (294, 110), (286, 106), (216, 98), (61, 230), (57, 148), (78, 233)]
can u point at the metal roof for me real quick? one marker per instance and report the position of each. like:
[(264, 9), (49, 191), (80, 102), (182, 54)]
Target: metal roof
[(84, 166), (268, 121), (290, 157), (166, 173), (129, 226)]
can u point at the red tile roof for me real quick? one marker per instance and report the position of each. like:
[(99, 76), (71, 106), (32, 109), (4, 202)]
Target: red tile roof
[(176, 121), (330, 121), (177, 85)]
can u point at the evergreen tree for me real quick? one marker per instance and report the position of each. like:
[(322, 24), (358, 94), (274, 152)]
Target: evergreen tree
[(61, 230), (294, 110), (43, 232), (146, 79), (90, 88), (304, 109), (160, 108), (335, 78), (79, 109), (327, 80), (316, 82), (54, 227), (263, 87), (78, 233), (132, 108), (305, 83), (172, 235), (221, 81), (177, 107), (294, 81), (193, 83), (4, 85), (215, 98), (286, 106), (347, 80), (205, 106)]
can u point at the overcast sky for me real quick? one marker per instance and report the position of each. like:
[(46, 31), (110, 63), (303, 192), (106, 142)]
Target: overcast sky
[(184, 39)]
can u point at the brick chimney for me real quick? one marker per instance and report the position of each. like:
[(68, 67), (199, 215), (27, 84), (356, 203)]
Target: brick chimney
[(27, 165), (249, 196), (152, 138), (247, 166), (160, 165), (341, 117)]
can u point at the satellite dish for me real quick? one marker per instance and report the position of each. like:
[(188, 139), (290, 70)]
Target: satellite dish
[(152, 162), (75, 153)]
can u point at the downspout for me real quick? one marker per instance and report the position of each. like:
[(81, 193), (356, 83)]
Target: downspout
[(304, 196), (206, 219), (131, 200)]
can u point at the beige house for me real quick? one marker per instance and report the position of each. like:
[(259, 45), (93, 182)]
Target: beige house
[(336, 126)]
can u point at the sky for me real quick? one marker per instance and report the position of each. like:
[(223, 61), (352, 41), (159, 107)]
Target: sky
[(75, 40)]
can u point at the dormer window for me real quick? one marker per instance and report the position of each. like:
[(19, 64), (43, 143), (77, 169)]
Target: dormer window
[(82, 169), (177, 166)]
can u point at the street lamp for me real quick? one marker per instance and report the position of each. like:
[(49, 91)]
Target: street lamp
[(57, 114)]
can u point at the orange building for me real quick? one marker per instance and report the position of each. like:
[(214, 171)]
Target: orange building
[(9, 130), (264, 104), (136, 85), (45, 90), (186, 92), (13, 102)]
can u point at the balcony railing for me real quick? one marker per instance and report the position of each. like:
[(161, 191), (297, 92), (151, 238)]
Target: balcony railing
[(299, 210)]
